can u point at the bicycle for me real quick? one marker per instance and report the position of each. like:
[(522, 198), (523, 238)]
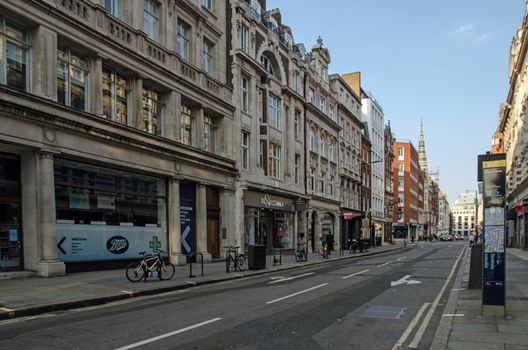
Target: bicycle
[(300, 253), (235, 259), (325, 254), (135, 272)]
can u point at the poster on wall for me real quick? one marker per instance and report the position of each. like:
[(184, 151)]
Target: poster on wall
[(77, 243), (105, 201), (188, 218), (80, 200)]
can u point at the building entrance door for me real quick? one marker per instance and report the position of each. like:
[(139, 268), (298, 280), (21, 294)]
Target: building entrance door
[(10, 216), (213, 240)]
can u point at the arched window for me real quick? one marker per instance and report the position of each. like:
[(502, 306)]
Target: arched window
[(311, 140), (331, 150), (322, 142)]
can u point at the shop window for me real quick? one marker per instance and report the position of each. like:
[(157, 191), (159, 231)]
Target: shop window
[(72, 72), (10, 209), (115, 96), (14, 56), (152, 107)]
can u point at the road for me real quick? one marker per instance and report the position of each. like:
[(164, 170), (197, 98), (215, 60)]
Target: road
[(341, 305)]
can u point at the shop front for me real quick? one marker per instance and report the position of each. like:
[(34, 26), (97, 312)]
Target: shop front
[(351, 226), (106, 214), (10, 213), (269, 220)]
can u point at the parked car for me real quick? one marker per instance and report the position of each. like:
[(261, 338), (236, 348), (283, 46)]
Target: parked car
[(459, 237)]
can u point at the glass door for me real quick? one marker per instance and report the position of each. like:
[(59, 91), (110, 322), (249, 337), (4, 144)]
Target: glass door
[(10, 219)]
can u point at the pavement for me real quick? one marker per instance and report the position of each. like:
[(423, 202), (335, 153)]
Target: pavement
[(34, 295), (463, 327)]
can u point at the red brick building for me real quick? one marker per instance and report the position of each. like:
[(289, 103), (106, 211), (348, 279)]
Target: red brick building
[(407, 191)]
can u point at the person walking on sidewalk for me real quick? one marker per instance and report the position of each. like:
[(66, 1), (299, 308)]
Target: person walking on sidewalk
[(471, 240)]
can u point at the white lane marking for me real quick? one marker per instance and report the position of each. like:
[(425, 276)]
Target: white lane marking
[(282, 279), (387, 263), (410, 327), (420, 332), (453, 315), (404, 280), (127, 292), (159, 337), (457, 289), (401, 258), (294, 294), (354, 274)]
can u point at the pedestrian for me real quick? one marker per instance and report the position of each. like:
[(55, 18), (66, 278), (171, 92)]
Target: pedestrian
[(330, 243), (471, 240), (412, 239)]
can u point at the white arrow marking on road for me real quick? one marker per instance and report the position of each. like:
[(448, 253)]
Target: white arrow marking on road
[(282, 279), (404, 280), (184, 237)]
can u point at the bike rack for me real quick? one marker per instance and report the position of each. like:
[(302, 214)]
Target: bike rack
[(189, 256)]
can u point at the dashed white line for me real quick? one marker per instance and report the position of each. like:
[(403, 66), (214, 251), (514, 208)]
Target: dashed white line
[(159, 337), (282, 279), (354, 274), (401, 258), (387, 263), (294, 294), (453, 315)]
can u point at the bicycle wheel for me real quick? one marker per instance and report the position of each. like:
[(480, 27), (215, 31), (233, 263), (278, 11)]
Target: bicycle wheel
[(135, 272), (241, 262), (165, 271)]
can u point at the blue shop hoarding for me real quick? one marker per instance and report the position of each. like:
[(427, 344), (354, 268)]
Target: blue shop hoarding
[(188, 217)]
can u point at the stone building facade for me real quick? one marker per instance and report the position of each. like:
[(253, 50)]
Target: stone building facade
[(389, 181), (117, 122), (366, 195)]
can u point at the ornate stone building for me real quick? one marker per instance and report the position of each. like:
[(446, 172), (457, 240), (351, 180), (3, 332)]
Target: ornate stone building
[(389, 181), (366, 195), (511, 138), (348, 113), (117, 129), (268, 74)]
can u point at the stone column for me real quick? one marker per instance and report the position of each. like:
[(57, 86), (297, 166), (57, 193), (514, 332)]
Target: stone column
[(318, 228), (171, 115), (96, 86), (44, 63), (136, 110), (337, 231), (200, 140), (49, 265), (201, 222), (174, 228)]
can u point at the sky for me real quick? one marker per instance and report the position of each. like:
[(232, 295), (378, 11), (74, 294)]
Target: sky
[(445, 62)]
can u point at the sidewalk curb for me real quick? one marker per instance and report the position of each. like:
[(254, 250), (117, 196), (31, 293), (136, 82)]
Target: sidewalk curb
[(444, 327), (6, 313)]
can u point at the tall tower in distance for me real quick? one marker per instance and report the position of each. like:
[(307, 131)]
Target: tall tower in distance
[(422, 157)]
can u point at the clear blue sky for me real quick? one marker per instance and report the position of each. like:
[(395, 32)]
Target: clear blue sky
[(443, 61)]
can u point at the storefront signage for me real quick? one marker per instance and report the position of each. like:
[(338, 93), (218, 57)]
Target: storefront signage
[(117, 245), (265, 200), (268, 202), (494, 264), (187, 218), (77, 243)]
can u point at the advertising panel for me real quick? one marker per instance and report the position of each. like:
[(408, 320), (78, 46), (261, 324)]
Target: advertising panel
[(188, 217)]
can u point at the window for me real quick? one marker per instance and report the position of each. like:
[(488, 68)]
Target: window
[(311, 142), (244, 94), (296, 124), (331, 186), (207, 53), (265, 62), (331, 151), (72, 71), (244, 39), (312, 180), (182, 39), (296, 169), (273, 111), (331, 112), (150, 19), (322, 184), (245, 150), (322, 104), (207, 4), (274, 160), (115, 7), (296, 80), (400, 151), (400, 166), (115, 96), (187, 126), (152, 106), (322, 142), (210, 134), (14, 50), (311, 96)]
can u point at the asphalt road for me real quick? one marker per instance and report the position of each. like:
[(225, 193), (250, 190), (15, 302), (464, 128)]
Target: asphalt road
[(343, 305)]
